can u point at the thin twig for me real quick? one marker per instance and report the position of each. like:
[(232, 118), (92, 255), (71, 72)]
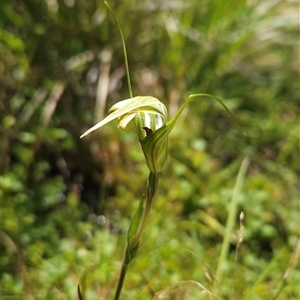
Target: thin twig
[(103, 84), (29, 109), (51, 103)]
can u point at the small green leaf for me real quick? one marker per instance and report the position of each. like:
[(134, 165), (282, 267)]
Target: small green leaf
[(172, 122), (132, 242)]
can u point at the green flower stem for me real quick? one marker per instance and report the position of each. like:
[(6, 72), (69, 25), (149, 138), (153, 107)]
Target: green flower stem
[(124, 48), (151, 189), (133, 239)]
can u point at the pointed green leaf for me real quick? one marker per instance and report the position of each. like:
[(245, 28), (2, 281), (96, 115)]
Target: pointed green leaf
[(172, 122), (132, 242), (80, 297)]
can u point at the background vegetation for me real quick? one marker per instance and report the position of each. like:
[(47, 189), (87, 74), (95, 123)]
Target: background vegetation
[(66, 203)]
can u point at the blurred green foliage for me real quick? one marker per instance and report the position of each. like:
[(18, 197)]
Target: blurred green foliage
[(66, 203)]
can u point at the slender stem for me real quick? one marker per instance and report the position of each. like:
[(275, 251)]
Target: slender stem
[(231, 216), (121, 278), (124, 49), (151, 189), (134, 243)]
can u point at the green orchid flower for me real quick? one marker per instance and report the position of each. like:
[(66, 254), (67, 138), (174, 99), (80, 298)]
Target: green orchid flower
[(150, 116), (153, 129)]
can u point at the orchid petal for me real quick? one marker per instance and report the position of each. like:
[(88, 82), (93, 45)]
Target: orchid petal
[(124, 120), (125, 110)]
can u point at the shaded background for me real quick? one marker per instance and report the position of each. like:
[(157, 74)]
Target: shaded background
[(66, 203)]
